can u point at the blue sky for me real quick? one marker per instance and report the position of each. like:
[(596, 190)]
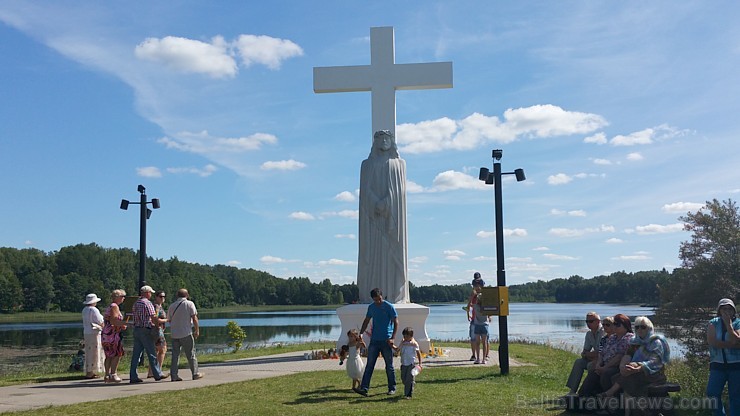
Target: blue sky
[(620, 113)]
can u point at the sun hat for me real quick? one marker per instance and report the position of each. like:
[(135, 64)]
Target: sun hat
[(91, 298), (146, 288), (725, 302)]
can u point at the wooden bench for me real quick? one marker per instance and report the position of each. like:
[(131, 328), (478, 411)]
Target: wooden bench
[(666, 403)]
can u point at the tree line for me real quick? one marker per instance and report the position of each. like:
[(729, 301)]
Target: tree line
[(33, 280)]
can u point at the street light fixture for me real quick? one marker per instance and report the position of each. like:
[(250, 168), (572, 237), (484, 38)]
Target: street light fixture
[(145, 214), (494, 178)]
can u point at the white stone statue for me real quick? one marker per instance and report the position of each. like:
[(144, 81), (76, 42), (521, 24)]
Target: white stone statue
[(383, 253)]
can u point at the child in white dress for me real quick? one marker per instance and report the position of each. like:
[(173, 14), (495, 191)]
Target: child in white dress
[(355, 365)]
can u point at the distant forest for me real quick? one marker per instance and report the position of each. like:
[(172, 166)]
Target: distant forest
[(33, 280)]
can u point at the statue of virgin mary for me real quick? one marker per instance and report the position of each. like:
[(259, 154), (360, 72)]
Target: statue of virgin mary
[(382, 257)]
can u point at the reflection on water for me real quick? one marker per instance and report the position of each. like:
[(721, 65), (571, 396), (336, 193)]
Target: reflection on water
[(561, 325)]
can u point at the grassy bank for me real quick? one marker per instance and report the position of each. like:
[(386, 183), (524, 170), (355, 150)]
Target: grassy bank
[(470, 390)]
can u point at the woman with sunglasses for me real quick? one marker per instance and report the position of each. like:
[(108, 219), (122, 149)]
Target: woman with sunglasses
[(600, 378), (644, 362), (723, 337)]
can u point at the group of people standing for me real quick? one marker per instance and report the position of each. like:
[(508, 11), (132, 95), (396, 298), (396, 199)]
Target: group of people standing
[(104, 334)]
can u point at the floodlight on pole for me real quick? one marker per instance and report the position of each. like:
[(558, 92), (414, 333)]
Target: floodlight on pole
[(144, 214), (494, 178)]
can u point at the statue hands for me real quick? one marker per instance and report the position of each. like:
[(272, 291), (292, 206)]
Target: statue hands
[(382, 208)]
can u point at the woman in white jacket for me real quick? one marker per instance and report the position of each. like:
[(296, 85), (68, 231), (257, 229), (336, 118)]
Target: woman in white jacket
[(92, 323)]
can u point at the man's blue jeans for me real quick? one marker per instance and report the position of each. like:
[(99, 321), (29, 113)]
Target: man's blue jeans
[(143, 342), (373, 350), (715, 385)]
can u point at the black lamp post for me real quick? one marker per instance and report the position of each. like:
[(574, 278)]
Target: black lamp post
[(145, 214), (494, 178)]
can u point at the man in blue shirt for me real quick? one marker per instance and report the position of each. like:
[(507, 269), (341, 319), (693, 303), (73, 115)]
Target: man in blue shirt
[(385, 324)]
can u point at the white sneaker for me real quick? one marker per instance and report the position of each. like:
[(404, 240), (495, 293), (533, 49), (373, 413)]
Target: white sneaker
[(477, 362)]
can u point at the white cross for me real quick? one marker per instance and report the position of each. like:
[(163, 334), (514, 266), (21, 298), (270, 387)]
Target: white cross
[(382, 78)]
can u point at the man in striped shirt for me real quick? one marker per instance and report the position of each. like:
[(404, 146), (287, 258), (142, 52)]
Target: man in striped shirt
[(145, 321)]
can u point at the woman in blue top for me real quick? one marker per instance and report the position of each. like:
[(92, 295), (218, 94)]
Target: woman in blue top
[(644, 362), (723, 337)]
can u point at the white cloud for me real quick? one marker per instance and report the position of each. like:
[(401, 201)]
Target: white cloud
[(572, 213), (418, 260), (233, 262), (648, 136), (515, 232), (602, 162), (508, 232), (658, 229), (635, 157), (634, 257), (598, 138), (187, 55), (682, 207), (542, 248), (300, 215), (345, 213), (559, 179), (454, 253), (336, 262), (552, 256), (266, 50), (538, 121), (577, 232), (347, 236), (452, 180), (204, 144), (274, 260), (283, 165), (614, 241), (216, 59), (413, 187), (519, 259), (149, 172), (484, 258), (345, 196), (206, 171)]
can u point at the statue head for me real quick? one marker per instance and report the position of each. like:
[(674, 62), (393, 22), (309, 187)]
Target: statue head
[(384, 144)]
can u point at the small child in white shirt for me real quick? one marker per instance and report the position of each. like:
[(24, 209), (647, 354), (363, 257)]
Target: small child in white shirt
[(410, 358)]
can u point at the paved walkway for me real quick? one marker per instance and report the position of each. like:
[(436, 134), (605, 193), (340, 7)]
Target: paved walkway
[(34, 396)]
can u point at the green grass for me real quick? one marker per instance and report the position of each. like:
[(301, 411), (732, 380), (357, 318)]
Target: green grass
[(470, 390)]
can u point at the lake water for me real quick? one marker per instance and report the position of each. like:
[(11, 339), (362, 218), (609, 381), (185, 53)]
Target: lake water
[(560, 325)]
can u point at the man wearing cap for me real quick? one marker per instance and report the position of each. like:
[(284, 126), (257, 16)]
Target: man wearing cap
[(92, 323), (183, 317), (588, 354), (145, 321), (723, 337)]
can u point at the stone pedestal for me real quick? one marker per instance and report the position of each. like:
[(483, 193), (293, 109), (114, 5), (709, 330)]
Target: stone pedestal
[(409, 314)]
